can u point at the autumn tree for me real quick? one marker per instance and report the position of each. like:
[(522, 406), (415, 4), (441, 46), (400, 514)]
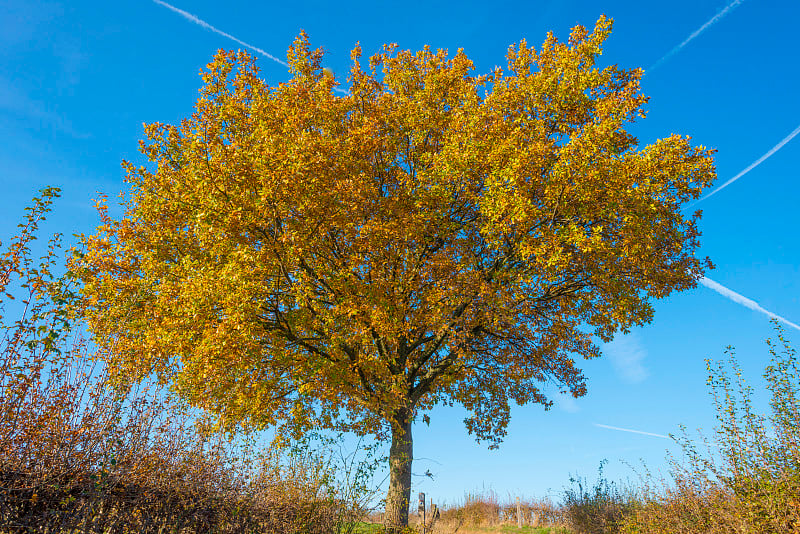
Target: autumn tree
[(301, 258)]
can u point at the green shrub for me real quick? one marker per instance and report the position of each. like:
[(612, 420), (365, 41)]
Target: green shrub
[(600, 509), (749, 479)]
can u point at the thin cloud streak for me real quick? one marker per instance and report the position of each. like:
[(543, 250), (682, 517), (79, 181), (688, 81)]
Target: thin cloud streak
[(192, 18), (627, 354), (755, 164), (206, 25), (567, 403), (744, 301), (713, 20), (16, 103), (632, 431)]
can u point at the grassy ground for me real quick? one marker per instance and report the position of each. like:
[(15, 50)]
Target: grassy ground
[(368, 528)]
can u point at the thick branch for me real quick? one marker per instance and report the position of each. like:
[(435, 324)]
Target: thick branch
[(353, 357)]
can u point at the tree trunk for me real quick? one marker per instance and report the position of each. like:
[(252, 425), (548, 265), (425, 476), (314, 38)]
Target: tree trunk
[(400, 457)]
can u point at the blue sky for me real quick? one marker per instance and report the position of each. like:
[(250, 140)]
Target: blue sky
[(78, 79)]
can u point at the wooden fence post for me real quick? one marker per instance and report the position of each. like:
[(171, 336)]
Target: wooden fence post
[(421, 508)]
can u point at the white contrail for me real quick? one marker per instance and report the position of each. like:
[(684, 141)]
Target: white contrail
[(206, 25), (753, 165), (697, 32), (192, 18), (741, 299), (632, 431)]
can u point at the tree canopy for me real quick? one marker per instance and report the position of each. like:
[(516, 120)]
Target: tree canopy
[(303, 258)]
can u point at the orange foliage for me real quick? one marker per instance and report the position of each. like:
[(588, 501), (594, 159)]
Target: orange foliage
[(309, 259)]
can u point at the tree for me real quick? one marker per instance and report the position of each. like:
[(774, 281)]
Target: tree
[(303, 259)]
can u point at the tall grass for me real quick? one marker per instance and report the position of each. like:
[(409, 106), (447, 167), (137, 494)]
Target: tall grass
[(746, 480), (485, 509)]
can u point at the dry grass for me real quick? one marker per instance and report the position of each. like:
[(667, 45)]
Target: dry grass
[(485, 512)]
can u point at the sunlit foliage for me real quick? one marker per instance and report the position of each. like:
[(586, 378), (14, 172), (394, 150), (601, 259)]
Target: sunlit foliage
[(301, 258)]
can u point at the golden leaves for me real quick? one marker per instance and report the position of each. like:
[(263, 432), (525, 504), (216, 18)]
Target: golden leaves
[(433, 236)]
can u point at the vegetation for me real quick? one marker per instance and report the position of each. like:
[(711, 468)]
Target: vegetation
[(748, 478), (348, 262), (77, 454), (484, 512), (77, 451), (250, 280), (599, 509)]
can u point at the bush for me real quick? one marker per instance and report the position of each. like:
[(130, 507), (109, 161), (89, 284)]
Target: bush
[(600, 509), (79, 454), (749, 481)]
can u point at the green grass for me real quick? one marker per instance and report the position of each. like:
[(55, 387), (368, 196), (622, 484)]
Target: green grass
[(367, 528)]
